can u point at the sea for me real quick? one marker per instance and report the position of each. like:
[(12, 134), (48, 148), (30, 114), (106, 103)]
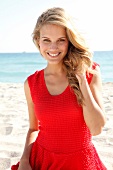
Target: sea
[(16, 67)]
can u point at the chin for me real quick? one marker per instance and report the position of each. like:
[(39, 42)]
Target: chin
[(54, 63)]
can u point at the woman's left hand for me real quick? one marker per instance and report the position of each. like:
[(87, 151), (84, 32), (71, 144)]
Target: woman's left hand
[(81, 78)]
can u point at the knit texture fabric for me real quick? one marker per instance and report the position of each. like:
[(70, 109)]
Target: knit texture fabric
[(64, 140)]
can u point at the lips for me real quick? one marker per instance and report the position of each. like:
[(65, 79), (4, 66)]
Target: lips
[(53, 55)]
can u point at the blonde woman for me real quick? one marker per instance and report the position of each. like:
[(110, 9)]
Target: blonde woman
[(64, 100)]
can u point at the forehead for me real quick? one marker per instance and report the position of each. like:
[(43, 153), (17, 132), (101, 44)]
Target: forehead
[(52, 29)]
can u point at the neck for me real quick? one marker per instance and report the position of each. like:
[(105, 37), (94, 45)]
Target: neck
[(54, 68)]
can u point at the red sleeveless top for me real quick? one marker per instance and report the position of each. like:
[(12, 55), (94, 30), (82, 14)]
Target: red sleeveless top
[(64, 140), (61, 123)]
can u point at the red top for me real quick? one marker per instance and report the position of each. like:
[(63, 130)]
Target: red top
[(61, 122), (64, 141)]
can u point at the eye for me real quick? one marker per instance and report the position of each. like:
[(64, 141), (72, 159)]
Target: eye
[(61, 40), (46, 40)]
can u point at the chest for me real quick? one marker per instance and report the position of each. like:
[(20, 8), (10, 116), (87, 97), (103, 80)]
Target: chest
[(55, 85), (57, 108)]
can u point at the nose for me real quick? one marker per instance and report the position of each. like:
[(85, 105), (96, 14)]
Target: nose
[(53, 45)]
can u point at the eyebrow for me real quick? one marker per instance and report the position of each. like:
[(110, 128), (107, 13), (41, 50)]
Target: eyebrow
[(58, 38)]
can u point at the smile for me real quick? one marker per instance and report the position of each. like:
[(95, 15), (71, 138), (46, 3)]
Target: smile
[(53, 55)]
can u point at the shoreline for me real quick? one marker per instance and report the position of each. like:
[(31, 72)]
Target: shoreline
[(14, 125)]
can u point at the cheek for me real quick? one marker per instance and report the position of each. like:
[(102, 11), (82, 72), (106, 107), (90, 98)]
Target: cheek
[(65, 47), (43, 47)]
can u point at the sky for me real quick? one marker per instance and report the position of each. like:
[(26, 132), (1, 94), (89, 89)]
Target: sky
[(18, 18)]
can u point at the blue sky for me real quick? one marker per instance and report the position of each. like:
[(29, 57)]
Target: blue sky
[(18, 18)]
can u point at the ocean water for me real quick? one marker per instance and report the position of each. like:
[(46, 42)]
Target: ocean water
[(16, 67)]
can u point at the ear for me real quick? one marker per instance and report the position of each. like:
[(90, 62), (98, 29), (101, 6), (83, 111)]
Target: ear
[(38, 43), (38, 46)]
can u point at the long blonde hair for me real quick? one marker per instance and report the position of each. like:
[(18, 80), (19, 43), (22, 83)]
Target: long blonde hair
[(78, 56)]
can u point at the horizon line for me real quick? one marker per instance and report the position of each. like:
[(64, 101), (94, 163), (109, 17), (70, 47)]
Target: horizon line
[(39, 52)]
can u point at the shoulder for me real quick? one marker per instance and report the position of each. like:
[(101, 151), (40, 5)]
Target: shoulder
[(96, 68), (95, 72), (96, 76), (32, 83), (95, 65), (96, 80), (27, 89), (33, 77)]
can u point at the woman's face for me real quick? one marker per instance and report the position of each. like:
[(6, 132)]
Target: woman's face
[(53, 43)]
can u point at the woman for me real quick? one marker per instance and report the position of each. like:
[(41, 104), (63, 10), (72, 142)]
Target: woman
[(64, 100)]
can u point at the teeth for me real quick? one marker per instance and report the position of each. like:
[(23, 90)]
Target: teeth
[(53, 55)]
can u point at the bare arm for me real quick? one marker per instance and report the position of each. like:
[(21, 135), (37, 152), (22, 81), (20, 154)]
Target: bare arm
[(33, 127), (93, 109)]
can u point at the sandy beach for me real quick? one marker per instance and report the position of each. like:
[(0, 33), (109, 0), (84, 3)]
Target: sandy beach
[(14, 125)]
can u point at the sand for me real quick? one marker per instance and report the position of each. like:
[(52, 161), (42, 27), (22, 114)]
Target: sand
[(14, 125)]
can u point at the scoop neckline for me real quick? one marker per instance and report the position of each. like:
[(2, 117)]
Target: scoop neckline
[(57, 95)]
